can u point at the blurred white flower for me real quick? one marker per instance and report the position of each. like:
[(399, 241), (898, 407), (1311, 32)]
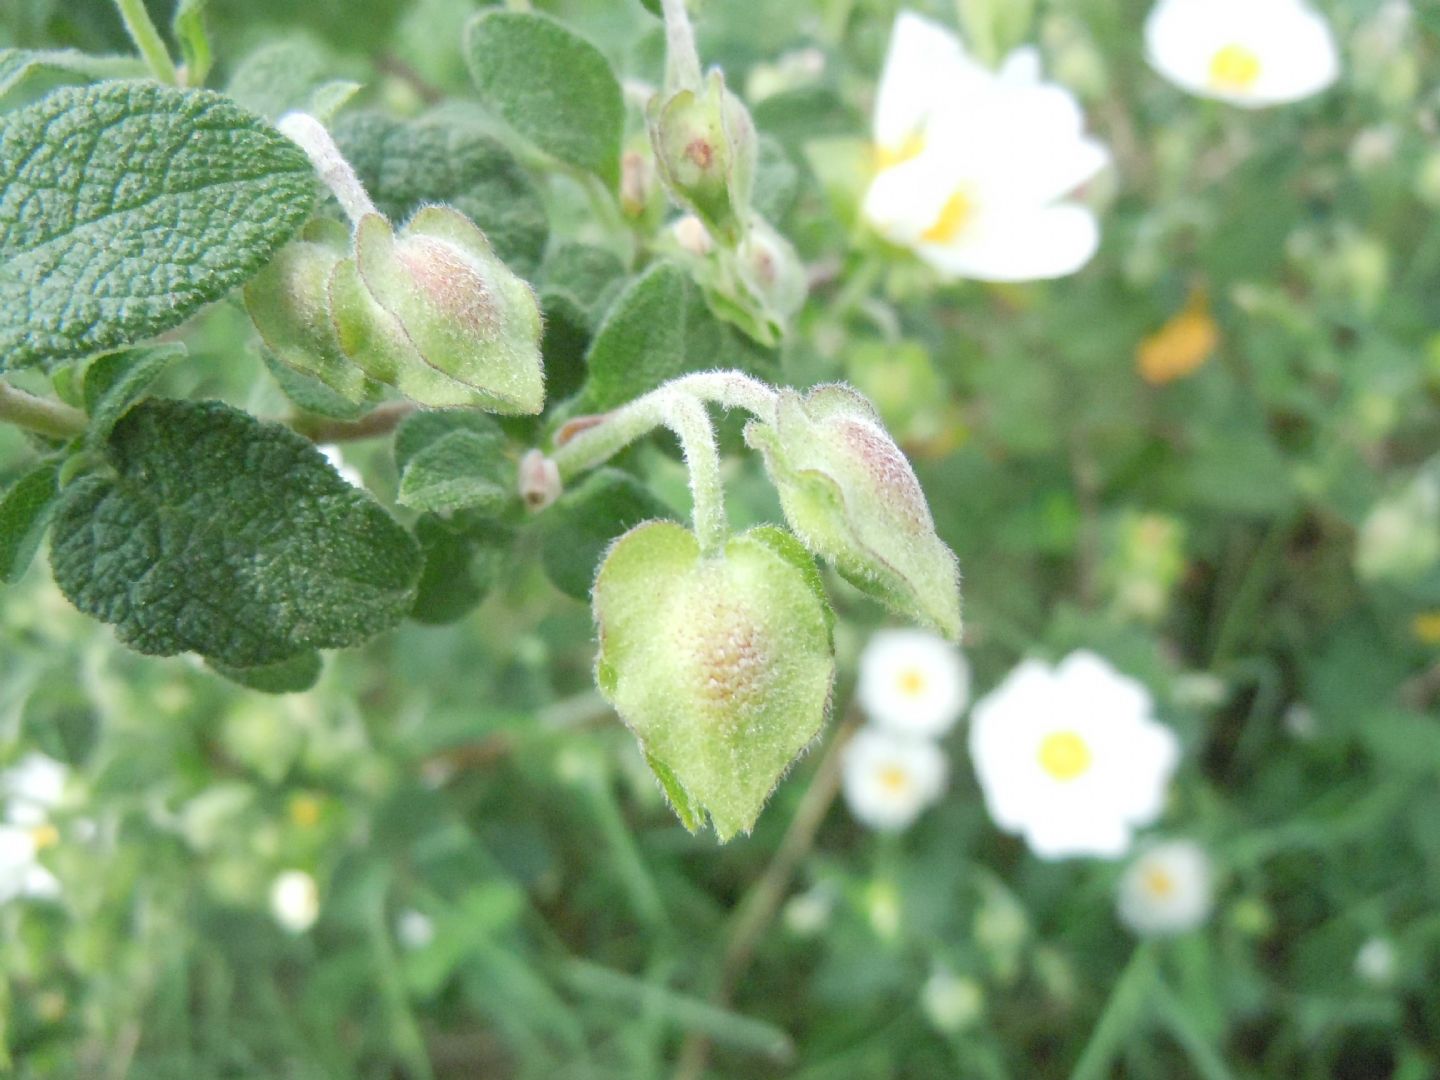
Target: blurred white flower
[(1399, 539), (414, 929), (1167, 889), (295, 901), (32, 788), (21, 874), (951, 1002), (1072, 757), (1246, 52), (913, 682), (972, 163), (1375, 962), (1299, 720), (808, 913), (889, 779)]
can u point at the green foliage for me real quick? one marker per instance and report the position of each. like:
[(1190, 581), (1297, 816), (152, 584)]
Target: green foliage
[(587, 520), (116, 381), (25, 509), (90, 176), (551, 86), (454, 461), (180, 551), (71, 65)]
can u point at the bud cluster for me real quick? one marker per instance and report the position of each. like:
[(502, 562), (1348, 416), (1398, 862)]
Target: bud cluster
[(429, 309)]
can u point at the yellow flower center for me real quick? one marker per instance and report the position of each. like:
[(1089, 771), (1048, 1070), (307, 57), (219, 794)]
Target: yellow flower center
[(1158, 883), (1234, 68), (911, 682), (44, 836), (894, 779), (305, 811), (954, 216), (1426, 627), (887, 157), (1064, 755)]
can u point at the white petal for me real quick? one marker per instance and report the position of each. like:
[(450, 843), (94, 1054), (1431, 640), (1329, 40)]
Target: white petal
[(1019, 244), (923, 62)]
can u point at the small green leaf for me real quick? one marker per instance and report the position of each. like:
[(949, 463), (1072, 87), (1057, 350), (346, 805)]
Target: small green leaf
[(124, 207), (463, 560), (25, 510), (280, 76), (228, 537), (311, 395), (586, 521), (299, 673), (71, 65), (188, 27), (405, 165), (427, 427), (115, 381), (551, 85), (578, 282), (658, 329), (464, 470)]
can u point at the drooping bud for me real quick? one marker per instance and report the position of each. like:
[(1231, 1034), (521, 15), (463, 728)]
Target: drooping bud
[(773, 269), (721, 666), (705, 147), (850, 495), (435, 313), (289, 303)]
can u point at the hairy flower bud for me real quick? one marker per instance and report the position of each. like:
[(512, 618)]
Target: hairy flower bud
[(850, 495), (705, 147), (435, 313), (289, 303), (721, 666)]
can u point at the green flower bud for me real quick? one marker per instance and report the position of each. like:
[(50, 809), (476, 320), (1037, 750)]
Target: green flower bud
[(850, 495), (435, 313), (705, 147), (721, 666), (289, 303)]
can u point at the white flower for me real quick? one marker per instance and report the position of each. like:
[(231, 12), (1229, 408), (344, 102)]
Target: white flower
[(913, 682), (1071, 756), (1247, 52), (21, 874), (889, 779), (32, 788), (415, 929), (1375, 962), (295, 901), (1167, 889), (807, 914), (973, 163), (951, 1002)]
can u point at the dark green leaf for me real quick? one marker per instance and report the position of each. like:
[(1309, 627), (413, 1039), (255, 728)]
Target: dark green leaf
[(124, 207), (116, 380), (312, 395), (25, 510), (228, 537), (300, 672), (405, 165), (463, 470), (551, 85), (586, 521), (463, 559)]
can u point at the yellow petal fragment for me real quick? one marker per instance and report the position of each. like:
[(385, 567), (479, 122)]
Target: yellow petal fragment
[(1180, 346)]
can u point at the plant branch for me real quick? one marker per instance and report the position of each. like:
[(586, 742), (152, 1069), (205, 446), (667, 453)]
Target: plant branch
[(379, 421), (38, 414), (338, 174), (682, 61), (148, 40), (758, 909)]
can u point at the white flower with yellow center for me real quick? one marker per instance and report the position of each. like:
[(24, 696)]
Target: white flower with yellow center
[(21, 874), (973, 164), (1072, 757), (1167, 889), (295, 901), (913, 682), (1251, 53), (32, 788), (889, 779)]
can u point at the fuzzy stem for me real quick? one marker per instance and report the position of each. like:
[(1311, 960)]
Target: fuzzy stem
[(39, 415), (338, 175), (682, 61), (683, 413), (148, 40)]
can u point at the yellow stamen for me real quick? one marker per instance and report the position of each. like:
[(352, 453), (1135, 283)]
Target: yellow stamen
[(1064, 755), (1234, 68), (1157, 882), (1180, 346), (44, 836), (894, 779), (954, 216), (887, 157), (912, 682), (305, 811), (1426, 627)]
